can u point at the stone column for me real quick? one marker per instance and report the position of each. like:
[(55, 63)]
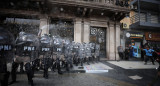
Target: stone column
[(86, 31), (44, 26), (78, 30), (117, 41), (108, 42), (111, 41)]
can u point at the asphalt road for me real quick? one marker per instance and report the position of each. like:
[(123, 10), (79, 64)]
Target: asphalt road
[(117, 76)]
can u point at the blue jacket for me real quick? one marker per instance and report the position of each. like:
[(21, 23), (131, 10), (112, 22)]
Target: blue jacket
[(148, 52)]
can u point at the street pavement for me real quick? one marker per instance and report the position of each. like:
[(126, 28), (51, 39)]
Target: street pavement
[(104, 73)]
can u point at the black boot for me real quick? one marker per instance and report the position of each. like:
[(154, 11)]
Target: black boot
[(21, 67), (59, 68), (4, 82), (53, 67), (29, 73), (45, 75), (5, 75), (76, 60), (88, 61), (45, 71), (13, 72), (67, 67)]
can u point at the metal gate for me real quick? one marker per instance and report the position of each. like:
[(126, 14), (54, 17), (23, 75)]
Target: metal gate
[(98, 35)]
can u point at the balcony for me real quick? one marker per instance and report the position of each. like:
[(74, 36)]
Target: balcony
[(94, 4), (147, 5), (145, 22)]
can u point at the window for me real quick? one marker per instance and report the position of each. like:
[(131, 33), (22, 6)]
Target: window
[(154, 18)]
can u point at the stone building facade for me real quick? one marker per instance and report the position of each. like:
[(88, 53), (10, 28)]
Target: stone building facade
[(102, 15)]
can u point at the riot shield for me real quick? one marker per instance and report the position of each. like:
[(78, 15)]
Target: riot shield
[(58, 46), (27, 46), (88, 50), (46, 46), (7, 44), (97, 50), (92, 46), (81, 51)]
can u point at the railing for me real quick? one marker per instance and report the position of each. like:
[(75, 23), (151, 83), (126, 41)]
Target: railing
[(95, 1), (144, 18), (122, 3)]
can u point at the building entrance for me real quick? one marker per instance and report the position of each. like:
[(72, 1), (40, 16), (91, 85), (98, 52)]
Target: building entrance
[(98, 35)]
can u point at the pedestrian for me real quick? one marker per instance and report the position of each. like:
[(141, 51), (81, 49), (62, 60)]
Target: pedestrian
[(127, 52), (130, 51), (120, 52), (142, 54), (148, 56)]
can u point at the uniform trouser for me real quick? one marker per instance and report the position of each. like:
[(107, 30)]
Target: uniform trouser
[(36, 64), (21, 67), (76, 61), (13, 71), (87, 59), (120, 55), (4, 75), (81, 61), (29, 72), (46, 66), (126, 56), (97, 58), (149, 57), (68, 63), (57, 63), (58, 66)]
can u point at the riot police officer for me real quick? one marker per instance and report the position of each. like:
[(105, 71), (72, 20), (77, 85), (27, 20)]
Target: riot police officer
[(75, 52), (92, 46), (27, 46), (81, 53), (6, 54), (46, 51), (88, 52), (97, 52), (57, 50), (69, 55)]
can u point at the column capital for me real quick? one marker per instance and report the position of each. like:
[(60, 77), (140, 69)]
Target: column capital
[(111, 24), (118, 23), (43, 16), (78, 19), (86, 21)]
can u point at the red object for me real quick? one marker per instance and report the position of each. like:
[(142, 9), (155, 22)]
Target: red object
[(158, 53)]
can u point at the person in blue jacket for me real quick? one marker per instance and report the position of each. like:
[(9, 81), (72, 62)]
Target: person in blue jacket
[(148, 55)]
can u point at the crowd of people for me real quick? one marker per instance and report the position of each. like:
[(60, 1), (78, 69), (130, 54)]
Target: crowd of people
[(41, 53)]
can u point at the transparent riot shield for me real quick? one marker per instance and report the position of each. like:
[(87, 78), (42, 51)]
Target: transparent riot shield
[(7, 44), (58, 46), (97, 51), (27, 46), (92, 46), (88, 50), (75, 53), (46, 46), (81, 53)]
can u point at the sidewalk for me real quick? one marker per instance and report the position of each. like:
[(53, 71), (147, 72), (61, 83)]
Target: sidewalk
[(134, 64)]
